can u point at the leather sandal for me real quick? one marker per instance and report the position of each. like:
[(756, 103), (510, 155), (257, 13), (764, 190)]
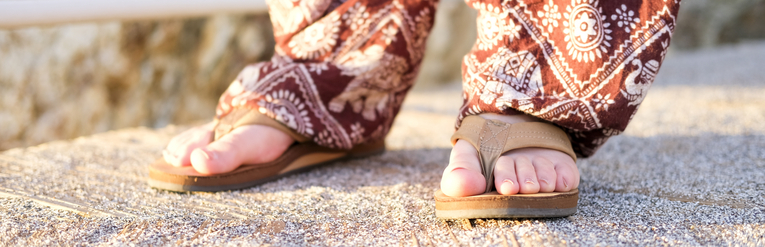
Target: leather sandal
[(492, 138), (301, 156)]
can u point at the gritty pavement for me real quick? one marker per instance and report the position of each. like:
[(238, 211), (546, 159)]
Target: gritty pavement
[(689, 170)]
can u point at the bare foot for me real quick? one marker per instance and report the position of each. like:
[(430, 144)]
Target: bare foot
[(251, 144), (525, 171)]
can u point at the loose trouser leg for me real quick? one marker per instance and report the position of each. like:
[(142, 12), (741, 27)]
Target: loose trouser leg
[(584, 65), (341, 68)]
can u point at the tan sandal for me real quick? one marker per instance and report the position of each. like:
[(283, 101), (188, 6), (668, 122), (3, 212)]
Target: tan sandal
[(492, 138), (299, 157)]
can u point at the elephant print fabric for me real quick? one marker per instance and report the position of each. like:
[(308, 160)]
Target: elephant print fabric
[(584, 65), (342, 68)]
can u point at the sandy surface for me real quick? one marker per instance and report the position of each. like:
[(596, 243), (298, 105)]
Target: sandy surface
[(689, 170)]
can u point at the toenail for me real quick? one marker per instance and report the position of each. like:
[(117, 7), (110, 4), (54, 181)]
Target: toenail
[(458, 168), (207, 155), (544, 180), (529, 181), (565, 184), (508, 181)]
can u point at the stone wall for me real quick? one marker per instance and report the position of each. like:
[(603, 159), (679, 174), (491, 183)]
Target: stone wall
[(70, 80)]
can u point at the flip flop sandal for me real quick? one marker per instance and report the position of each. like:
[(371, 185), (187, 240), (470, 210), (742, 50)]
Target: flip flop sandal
[(492, 138), (301, 156)]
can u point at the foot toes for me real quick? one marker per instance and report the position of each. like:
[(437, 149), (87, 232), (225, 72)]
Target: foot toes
[(178, 151), (214, 159), (505, 179), (171, 158), (566, 178), (546, 174), (460, 182), (253, 144), (527, 177), (463, 176)]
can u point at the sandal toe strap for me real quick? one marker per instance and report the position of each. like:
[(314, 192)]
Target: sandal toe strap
[(243, 116), (492, 138)]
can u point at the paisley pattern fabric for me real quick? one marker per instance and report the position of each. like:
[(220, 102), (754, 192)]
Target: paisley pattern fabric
[(584, 65), (343, 67)]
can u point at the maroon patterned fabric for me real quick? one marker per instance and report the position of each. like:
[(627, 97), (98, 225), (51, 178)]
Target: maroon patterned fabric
[(584, 65), (343, 67)]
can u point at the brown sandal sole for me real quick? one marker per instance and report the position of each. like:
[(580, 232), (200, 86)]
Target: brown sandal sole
[(494, 205), (298, 158)]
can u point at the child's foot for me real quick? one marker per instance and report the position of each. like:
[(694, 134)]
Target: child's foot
[(525, 171), (252, 144)]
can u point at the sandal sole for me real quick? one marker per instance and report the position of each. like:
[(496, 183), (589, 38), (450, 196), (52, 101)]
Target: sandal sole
[(297, 159), (494, 205)]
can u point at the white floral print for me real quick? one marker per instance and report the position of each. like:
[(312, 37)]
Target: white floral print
[(603, 101), (495, 26), (343, 67), (625, 18), (357, 17), (317, 39), (357, 132), (587, 35), (550, 16)]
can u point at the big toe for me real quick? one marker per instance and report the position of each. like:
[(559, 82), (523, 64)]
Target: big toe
[(214, 159), (463, 176), (251, 144)]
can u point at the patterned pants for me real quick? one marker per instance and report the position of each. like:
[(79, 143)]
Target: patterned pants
[(343, 67)]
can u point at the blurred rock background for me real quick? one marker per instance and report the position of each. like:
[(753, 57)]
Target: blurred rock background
[(64, 81)]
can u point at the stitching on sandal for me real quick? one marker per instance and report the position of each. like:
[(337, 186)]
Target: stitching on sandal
[(538, 137)]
